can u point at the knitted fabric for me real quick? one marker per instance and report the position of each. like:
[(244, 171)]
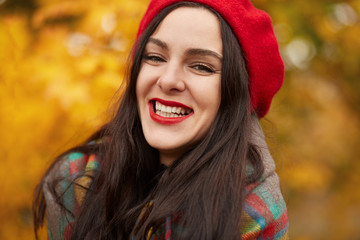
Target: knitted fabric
[(264, 213), (254, 31)]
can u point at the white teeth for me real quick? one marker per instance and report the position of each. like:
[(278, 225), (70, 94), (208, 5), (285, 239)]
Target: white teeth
[(168, 111)]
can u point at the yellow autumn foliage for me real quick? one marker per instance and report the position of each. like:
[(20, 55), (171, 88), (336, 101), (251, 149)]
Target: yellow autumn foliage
[(61, 63)]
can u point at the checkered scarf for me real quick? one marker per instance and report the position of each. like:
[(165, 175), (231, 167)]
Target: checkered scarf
[(264, 213)]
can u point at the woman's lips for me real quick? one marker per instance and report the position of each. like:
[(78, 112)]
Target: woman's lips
[(168, 112)]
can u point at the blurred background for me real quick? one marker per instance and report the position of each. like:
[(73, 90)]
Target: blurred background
[(62, 61)]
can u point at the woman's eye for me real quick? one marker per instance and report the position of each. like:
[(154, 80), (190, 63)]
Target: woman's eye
[(153, 58), (203, 68)]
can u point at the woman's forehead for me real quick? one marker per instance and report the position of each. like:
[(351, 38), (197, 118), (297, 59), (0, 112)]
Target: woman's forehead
[(191, 27)]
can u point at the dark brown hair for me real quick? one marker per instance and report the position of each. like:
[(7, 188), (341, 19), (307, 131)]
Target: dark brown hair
[(205, 186)]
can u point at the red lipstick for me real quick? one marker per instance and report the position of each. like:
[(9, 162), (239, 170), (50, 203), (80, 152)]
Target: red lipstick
[(167, 120)]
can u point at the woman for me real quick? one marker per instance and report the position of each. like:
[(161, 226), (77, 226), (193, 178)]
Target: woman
[(184, 157)]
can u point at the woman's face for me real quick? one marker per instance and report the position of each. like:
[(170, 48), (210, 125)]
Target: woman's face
[(178, 87)]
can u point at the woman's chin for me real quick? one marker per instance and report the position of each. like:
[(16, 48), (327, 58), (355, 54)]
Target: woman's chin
[(168, 148)]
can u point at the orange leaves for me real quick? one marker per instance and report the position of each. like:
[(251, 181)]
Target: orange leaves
[(58, 11), (58, 73)]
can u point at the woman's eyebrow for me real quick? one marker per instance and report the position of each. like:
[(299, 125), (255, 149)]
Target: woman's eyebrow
[(189, 52), (159, 43), (203, 52)]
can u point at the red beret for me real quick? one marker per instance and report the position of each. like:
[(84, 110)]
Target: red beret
[(255, 33)]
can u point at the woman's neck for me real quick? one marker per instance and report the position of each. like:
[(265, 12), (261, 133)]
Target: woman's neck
[(167, 158)]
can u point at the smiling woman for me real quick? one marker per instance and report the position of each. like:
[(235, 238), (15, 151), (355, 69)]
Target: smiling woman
[(184, 157)]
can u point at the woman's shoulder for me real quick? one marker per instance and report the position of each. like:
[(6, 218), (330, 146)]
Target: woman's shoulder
[(71, 172), (265, 213), (74, 164), (65, 186)]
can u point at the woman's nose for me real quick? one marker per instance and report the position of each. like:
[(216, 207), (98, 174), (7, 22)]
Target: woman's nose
[(172, 79)]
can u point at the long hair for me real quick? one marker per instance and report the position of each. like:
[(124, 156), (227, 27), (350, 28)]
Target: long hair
[(205, 187)]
